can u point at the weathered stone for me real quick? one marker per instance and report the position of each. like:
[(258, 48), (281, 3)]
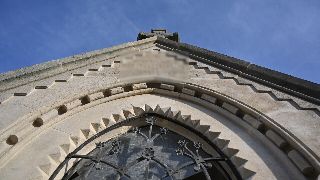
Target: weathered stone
[(188, 91), (230, 108), (116, 90), (167, 87), (252, 121), (275, 138), (300, 162), (139, 86), (209, 98)]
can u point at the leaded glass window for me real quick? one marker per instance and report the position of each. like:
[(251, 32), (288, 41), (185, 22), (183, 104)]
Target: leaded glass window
[(149, 151)]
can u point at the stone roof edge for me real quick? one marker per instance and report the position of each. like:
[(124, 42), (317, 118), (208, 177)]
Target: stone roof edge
[(31, 70), (289, 84)]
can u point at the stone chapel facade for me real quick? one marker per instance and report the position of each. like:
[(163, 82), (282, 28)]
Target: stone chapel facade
[(157, 108)]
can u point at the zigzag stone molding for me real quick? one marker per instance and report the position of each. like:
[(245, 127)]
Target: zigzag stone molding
[(26, 75), (286, 83), (92, 131), (214, 68), (44, 76), (209, 69), (296, 152), (276, 95)]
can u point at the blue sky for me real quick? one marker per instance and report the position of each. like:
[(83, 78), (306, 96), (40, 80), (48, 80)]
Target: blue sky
[(283, 35)]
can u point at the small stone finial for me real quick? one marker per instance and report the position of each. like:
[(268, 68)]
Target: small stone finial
[(159, 32)]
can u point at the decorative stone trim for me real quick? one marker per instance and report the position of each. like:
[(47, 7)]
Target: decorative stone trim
[(253, 85), (62, 109), (93, 69), (116, 90), (96, 96), (85, 100), (60, 80), (290, 85), (37, 122), (276, 139), (208, 98), (85, 134), (19, 94), (139, 86), (12, 140), (230, 106), (166, 87), (252, 121), (188, 91), (21, 76), (300, 162), (41, 87), (78, 74), (106, 65), (208, 68)]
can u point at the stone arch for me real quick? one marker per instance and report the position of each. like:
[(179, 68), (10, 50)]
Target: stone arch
[(96, 130), (215, 100)]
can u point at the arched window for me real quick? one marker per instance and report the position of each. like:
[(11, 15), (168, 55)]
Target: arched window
[(149, 149)]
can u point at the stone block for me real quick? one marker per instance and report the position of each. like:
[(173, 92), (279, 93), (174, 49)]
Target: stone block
[(276, 139), (300, 162), (96, 96), (73, 104), (230, 108), (166, 92), (139, 86), (209, 98), (188, 91), (167, 87), (252, 121), (116, 90)]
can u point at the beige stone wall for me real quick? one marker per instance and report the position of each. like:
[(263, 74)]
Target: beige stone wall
[(275, 139)]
